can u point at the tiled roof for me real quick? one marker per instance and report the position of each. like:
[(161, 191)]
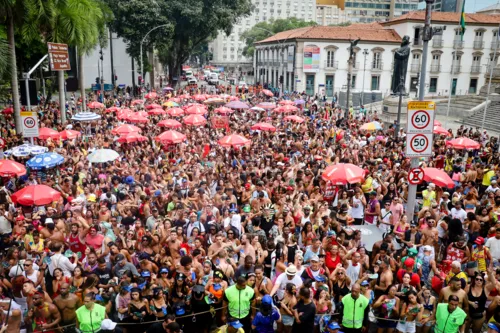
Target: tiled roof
[(367, 32), (446, 17)]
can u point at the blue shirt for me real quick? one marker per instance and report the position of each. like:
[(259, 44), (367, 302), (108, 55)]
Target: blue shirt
[(264, 324)]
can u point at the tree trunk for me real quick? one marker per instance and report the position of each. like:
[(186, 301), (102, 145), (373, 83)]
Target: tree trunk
[(13, 74), (81, 78), (151, 59), (62, 98), (174, 71), (133, 77)]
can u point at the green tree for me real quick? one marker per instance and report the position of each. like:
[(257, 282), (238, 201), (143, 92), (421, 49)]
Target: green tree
[(263, 30)]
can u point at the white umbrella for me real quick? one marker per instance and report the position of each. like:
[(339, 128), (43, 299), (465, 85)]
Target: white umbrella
[(86, 116), (103, 156), (256, 108), (26, 149)]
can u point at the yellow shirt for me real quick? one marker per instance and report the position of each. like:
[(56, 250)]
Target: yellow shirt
[(487, 177), (432, 197), (367, 185)]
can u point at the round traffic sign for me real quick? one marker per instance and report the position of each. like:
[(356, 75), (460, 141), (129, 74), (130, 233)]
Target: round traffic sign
[(416, 176), (2, 143), (419, 143), (29, 122), (420, 119)]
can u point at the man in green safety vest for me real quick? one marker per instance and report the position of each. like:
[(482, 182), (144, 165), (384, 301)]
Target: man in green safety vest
[(239, 300), (449, 317), (354, 310)]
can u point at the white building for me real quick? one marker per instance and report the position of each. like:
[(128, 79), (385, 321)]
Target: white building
[(328, 13), (314, 59), (227, 50)]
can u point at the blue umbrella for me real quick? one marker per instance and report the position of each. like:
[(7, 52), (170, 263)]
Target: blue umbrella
[(26, 150), (45, 161)]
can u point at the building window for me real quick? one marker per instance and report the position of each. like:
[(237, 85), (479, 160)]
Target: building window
[(375, 82), (330, 59), (433, 85), (377, 61), (353, 81)]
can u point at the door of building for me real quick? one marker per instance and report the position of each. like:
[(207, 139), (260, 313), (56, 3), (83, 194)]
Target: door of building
[(329, 85), (473, 86), (310, 85), (454, 87)]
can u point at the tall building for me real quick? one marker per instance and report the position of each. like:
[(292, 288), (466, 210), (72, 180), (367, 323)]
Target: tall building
[(227, 50), (329, 12), (367, 11), (449, 6)]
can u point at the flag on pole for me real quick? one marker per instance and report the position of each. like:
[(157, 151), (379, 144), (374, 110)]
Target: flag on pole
[(462, 22)]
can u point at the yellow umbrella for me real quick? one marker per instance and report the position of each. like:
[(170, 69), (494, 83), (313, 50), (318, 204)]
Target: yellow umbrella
[(370, 127), (170, 104)]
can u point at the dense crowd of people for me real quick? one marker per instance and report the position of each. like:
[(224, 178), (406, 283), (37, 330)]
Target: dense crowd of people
[(198, 237)]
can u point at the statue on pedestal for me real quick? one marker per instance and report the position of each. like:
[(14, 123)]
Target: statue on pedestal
[(400, 66)]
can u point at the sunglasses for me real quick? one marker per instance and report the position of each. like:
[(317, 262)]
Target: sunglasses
[(27, 265), (340, 273), (230, 233), (479, 280)]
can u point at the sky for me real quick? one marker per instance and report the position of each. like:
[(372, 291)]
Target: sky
[(473, 5)]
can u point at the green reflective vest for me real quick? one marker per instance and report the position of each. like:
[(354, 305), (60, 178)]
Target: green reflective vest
[(354, 311), (447, 322), (239, 301)]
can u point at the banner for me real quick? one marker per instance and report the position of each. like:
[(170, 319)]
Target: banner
[(220, 122), (311, 58)]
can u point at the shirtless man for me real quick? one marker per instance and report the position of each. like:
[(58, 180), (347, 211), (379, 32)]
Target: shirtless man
[(430, 236), (385, 277), (14, 323), (174, 245), (50, 232), (246, 247), (221, 262), (216, 247), (455, 288), (377, 245), (29, 291), (67, 303), (45, 315)]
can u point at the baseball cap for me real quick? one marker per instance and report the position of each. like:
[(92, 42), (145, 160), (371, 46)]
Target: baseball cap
[(129, 180), (479, 240), (315, 258), (146, 274), (427, 248), (267, 300), (108, 325), (320, 278), (119, 257), (48, 220), (164, 270), (364, 283), (412, 251), (236, 324), (333, 325), (409, 262)]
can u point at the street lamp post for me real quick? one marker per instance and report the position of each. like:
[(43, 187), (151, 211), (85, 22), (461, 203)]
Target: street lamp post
[(142, 61), (365, 53)]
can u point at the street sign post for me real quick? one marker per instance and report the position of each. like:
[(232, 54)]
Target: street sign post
[(59, 57), (416, 176), (29, 120), (420, 124)]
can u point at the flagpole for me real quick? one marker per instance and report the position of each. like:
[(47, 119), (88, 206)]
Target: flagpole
[(451, 84), (489, 83)]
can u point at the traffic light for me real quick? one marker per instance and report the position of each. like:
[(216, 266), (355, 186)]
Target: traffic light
[(116, 77), (281, 79), (101, 57), (97, 81)]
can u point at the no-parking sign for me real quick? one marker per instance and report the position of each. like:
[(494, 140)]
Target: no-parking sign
[(29, 120), (420, 123)]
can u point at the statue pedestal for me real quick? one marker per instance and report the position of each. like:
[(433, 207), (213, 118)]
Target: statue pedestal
[(390, 110)]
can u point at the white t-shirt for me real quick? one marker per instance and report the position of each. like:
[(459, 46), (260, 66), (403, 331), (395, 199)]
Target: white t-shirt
[(494, 245), (458, 214), (283, 280), (357, 212), (5, 226)]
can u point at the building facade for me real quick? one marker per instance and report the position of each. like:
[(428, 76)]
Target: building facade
[(330, 14), (227, 50), (366, 11)]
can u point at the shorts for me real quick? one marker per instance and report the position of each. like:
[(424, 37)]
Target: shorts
[(383, 323), (406, 327), (427, 324), (287, 320)]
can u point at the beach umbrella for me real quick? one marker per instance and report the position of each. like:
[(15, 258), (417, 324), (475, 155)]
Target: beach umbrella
[(441, 131), (224, 110), (299, 102), (132, 137), (170, 123), (437, 123), (8, 110), (174, 99), (86, 116), (195, 120), (137, 102), (95, 105), (373, 126), (157, 112), (266, 105), (36, 195), (463, 143), (112, 109), (237, 105), (151, 95), (296, 119), (168, 89), (263, 127), (438, 177), (9, 168), (184, 96), (136, 118), (170, 137), (286, 102), (103, 156), (125, 129), (123, 114), (286, 108), (45, 133), (175, 112), (343, 173), (268, 93), (45, 161), (233, 140), (214, 101), (26, 150), (196, 110), (199, 98), (69, 134), (153, 106), (170, 104), (256, 108)]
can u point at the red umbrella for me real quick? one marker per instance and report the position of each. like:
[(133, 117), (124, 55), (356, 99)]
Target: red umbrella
[(297, 119), (45, 133), (95, 105), (196, 110), (8, 110), (137, 101), (263, 127), (69, 134), (286, 102), (174, 99), (267, 92), (153, 106), (126, 129), (123, 114), (132, 137), (170, 123), (185, 96), (437, 123), (463, 143), (438, 177), (286, 109), (343, 173), (36, 195), (157, 112), (175, 112), (194, 104), (11, 168), (112, 109), (199, 97), (137, 118), (151, 95), (224, 110), (195, 120), (441, 131), (233, 140), (266, 105), (170, 137)]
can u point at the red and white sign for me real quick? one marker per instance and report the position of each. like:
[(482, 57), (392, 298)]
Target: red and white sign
[(420, 125), (30, 124), (2, 143), (418, 145), (416, 176)]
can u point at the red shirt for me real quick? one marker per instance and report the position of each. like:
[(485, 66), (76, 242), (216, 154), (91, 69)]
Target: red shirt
[(331, 264)]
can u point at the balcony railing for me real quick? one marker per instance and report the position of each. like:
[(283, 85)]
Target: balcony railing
[(418, 42), (475, 69), (377, 66), (458, 44), (495, 44), (438, 42), (455, 69), (331, 64), (478, 44), (415, 68), (435, 68)]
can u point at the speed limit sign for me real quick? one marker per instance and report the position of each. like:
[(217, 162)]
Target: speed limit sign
[(420, 117), (418, 145), (29, 121)]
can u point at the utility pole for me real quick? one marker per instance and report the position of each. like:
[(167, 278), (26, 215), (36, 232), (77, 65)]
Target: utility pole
[(426, 37), (365, 53), (349, 75), (111, 58), (101, 74)]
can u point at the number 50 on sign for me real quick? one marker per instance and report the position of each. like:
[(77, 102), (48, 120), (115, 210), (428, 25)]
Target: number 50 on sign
[(419, 145)]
